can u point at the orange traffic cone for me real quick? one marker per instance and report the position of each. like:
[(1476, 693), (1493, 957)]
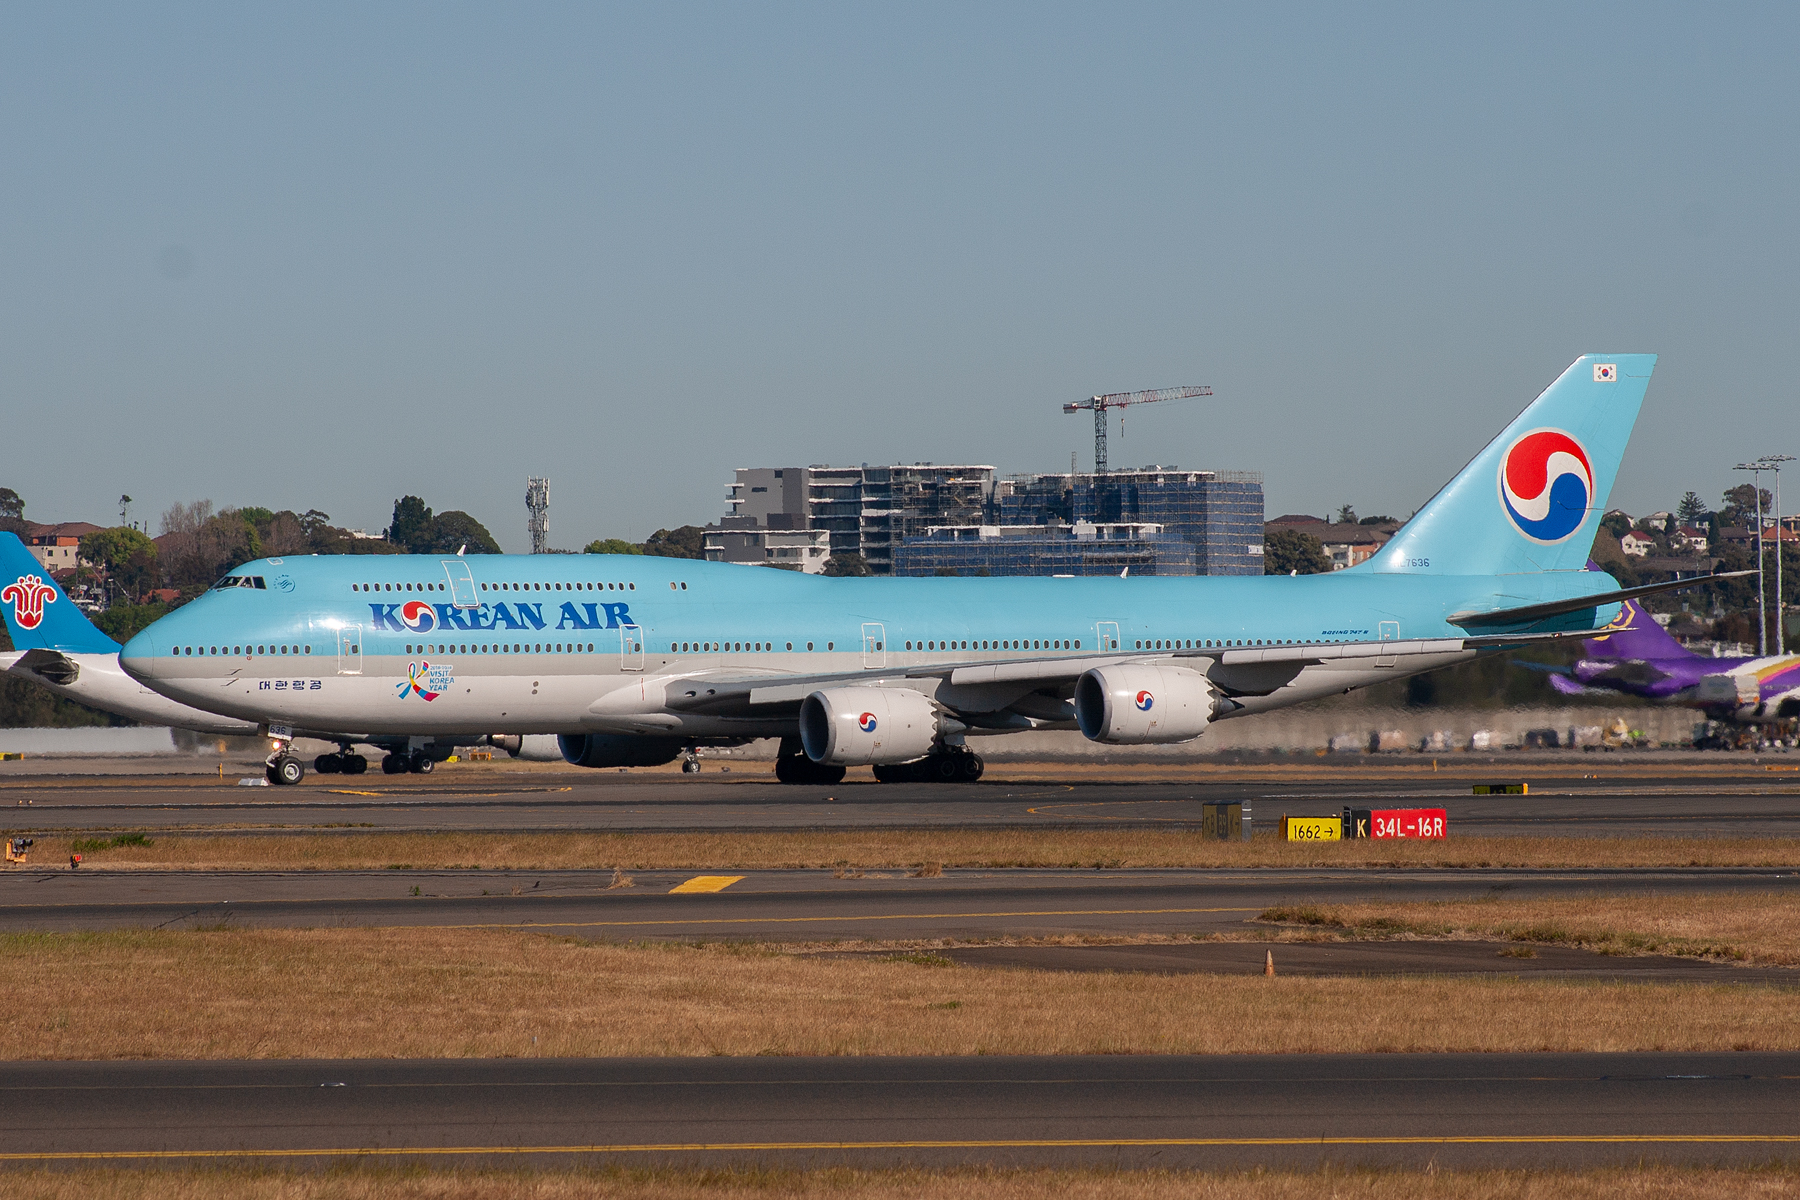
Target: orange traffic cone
[(1269, 964)]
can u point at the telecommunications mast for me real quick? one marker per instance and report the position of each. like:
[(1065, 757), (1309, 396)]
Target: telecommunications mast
[(537, 503), (1119, 400)]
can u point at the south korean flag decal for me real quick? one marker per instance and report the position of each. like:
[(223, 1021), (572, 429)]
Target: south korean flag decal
[(1606, 373)]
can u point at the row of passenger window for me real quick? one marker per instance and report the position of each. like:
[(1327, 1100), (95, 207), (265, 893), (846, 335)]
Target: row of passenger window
[(1003, 644), (486, 587), (1210, 643), (500, 648), (559, 587), (730, 647), (204, 651)]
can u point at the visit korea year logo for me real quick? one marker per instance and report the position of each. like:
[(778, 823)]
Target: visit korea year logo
[(28, 595)]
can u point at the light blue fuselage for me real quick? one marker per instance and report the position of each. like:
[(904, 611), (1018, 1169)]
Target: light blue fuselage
[(540, 638)]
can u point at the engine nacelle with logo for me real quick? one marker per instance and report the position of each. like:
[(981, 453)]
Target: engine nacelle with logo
[(1134, 704), (617, 750), (862, 726)]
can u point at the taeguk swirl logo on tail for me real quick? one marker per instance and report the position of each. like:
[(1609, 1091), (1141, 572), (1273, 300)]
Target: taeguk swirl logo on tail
[(1546, 485), (418, 616)]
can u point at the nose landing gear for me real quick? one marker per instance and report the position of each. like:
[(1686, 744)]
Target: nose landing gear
[(281, 768)]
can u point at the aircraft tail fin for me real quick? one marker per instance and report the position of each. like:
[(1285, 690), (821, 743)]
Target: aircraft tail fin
[(39, 616), (1532, 499), (1634, 633)]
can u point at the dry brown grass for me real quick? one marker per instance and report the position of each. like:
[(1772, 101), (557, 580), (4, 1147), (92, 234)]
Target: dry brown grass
[(483, 993), (884, 849), (1761, 928), (373, 1183)]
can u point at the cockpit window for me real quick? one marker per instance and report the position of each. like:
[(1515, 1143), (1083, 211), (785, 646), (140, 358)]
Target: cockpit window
[(232, 581)]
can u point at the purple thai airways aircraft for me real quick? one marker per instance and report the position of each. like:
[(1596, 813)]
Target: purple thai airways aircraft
[(1636, 656)]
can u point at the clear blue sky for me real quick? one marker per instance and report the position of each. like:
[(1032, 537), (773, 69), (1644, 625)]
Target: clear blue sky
[(318, 256)]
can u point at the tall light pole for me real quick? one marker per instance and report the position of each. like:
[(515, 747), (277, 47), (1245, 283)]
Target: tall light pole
[(1775, 461), (1762, 612)]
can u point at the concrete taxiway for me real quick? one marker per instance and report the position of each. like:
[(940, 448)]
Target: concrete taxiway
[(1756, 801), (1513, 1110), (792, 906)]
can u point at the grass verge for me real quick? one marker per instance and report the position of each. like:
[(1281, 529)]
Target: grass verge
[(875, 849), (377, 1183), (1746, 927), (342, 993)]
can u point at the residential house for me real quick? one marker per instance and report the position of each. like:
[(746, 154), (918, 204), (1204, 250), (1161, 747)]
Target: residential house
[(1636, 544), (1688, 540), (58, 547)]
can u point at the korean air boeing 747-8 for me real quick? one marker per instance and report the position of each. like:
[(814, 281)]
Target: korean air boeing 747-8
[(634, 660)]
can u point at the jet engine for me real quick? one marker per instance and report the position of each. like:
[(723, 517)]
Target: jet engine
[(616, 750), (859, 726), (1131, 704)]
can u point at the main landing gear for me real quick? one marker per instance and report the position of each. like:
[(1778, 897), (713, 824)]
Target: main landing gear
[(401, 762), (792, 766), (952, 764), (341, 763)]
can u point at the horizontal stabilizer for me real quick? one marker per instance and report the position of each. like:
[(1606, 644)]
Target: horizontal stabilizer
[(1556, 608)]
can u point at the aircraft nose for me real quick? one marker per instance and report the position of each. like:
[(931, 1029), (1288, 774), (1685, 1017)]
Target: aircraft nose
[(138, 656)]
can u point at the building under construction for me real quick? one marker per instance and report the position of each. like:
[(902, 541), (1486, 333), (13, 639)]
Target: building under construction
[(923, 519)]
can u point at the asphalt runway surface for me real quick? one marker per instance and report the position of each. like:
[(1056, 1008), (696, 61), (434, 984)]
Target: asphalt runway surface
[(797, 906), (1757, 801), (1452, 1110)]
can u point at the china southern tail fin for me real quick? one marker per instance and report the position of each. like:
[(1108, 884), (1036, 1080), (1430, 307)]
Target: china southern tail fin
[(1634, 633), (38, 615), (1533, 498)]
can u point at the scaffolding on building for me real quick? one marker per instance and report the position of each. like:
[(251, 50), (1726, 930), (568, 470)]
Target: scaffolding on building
[(537, 508)]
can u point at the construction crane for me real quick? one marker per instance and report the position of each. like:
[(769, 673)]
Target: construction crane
[(1119, 400)]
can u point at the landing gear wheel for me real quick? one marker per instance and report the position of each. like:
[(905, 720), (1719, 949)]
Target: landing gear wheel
[(286, 771), (354, 764), (796, 768), (690, 766), (422, 764), (892, 772), (944, 768), (327, 764), (393, 764), (970, 768)]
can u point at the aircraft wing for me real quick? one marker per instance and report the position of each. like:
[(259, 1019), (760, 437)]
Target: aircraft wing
[(736, 691)]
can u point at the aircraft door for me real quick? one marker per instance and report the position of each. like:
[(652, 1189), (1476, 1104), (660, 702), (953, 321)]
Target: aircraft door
[(874, 646), (1108, 633), (350, 650), (1386, 631), (462, 584), (631, 647)]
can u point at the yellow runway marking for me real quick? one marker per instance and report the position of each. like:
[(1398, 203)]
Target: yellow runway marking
[(427, 795), (705, 883), (1599, 1139), (1067, 912)]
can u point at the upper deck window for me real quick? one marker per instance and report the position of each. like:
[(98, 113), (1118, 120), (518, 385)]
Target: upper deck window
[(249, 581)]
